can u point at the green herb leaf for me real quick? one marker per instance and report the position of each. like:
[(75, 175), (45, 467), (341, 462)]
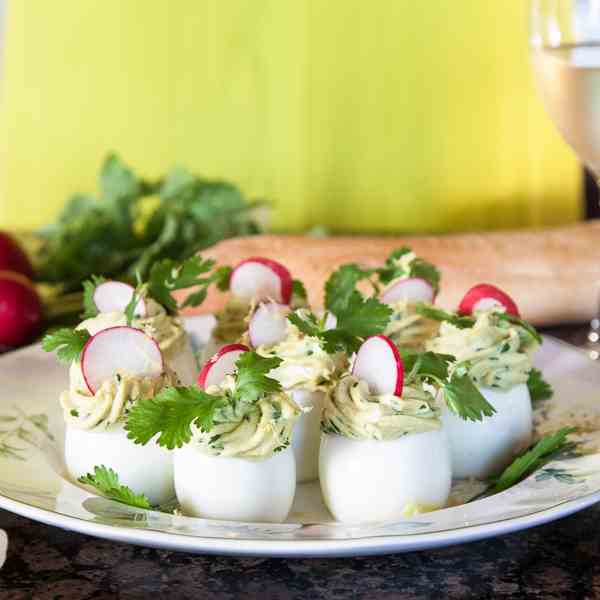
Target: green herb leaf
[(427, 365), (363, 318), (168, 275), (68, 342), (172, 413), (251, 376), (90, 309), (546, 449), (465, 400), (437, 314), (221, 277), (174, 410), (529, 329), (299, 291), (539, 388), (106, 481), (306, 322), (418, 268), (341, 285)]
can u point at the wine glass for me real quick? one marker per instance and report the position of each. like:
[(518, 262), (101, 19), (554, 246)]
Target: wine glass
[(565, 52)]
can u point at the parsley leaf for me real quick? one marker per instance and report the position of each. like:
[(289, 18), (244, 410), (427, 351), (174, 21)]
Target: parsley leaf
[(546, 449), (341, 285), (172, 413), (465, 400), (539, 388), (90, 309), (418, 267), (175, 409), (168, 275), (68, 342), (438, 314), (106, 481)]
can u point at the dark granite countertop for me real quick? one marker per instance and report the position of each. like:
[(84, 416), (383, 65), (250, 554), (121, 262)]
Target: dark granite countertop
[(558, 560)]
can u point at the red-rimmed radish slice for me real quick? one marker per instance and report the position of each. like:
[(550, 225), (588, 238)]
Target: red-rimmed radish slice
[(268, 324), (123, 350), (379, 364), (261, 279), (413, 289), (485, 296), (221, 364), (114, 296)]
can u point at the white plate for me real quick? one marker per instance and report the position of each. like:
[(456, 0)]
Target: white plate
[(33, 482)]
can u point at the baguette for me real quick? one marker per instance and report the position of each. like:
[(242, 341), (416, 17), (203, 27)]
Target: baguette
[(552, 274)]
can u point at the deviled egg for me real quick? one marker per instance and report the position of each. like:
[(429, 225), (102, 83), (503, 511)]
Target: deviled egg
[(496, 354), (118, 366), (306, 371), (409, 280), (384, 454)]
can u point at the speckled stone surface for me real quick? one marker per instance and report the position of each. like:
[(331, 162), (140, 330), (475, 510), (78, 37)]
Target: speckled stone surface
[(558, 560)]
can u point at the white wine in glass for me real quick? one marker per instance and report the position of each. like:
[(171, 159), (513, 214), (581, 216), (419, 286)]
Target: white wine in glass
[(565, 52)]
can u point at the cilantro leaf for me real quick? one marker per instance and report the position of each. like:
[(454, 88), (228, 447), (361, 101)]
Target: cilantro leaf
[(341, 285), (529, 329), (539, 388), (221, 277), (465, 400), (437, 314), (175, 409), (427, 365), (106, 481), (68, 342), (418, 267), (168, 275), (172, 413), (299, 291), (251, 376), (306, 322), (546, 449), (90, 309), (363, 318)]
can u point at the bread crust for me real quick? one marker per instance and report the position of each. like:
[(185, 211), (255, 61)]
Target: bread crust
[(552, 274)]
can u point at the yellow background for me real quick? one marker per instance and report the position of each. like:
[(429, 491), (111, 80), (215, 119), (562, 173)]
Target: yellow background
[(388, 115)]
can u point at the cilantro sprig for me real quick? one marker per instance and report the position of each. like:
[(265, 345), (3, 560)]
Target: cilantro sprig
[(68, 343), (90, 309), (418, 267), (172, 413), (546, 449), (106, 481), (461, 394), (539, 388)]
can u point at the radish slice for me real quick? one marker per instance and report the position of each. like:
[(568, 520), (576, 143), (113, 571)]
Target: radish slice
[(261, 279), (268, 324), (379, 364), (123, 350), (114, 296), (413, 289), (221, 364), (485, 296)]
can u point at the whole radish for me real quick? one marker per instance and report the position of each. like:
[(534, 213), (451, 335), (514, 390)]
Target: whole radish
[(21, 312), (12, 257)]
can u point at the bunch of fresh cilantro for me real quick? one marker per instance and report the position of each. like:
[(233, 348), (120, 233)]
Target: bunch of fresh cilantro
[(134, 223)]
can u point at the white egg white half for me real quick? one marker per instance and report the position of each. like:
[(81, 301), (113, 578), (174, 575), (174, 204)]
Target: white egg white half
[(482, 449), (371, 480), (145, 469), (234, 489), (307, 435)]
